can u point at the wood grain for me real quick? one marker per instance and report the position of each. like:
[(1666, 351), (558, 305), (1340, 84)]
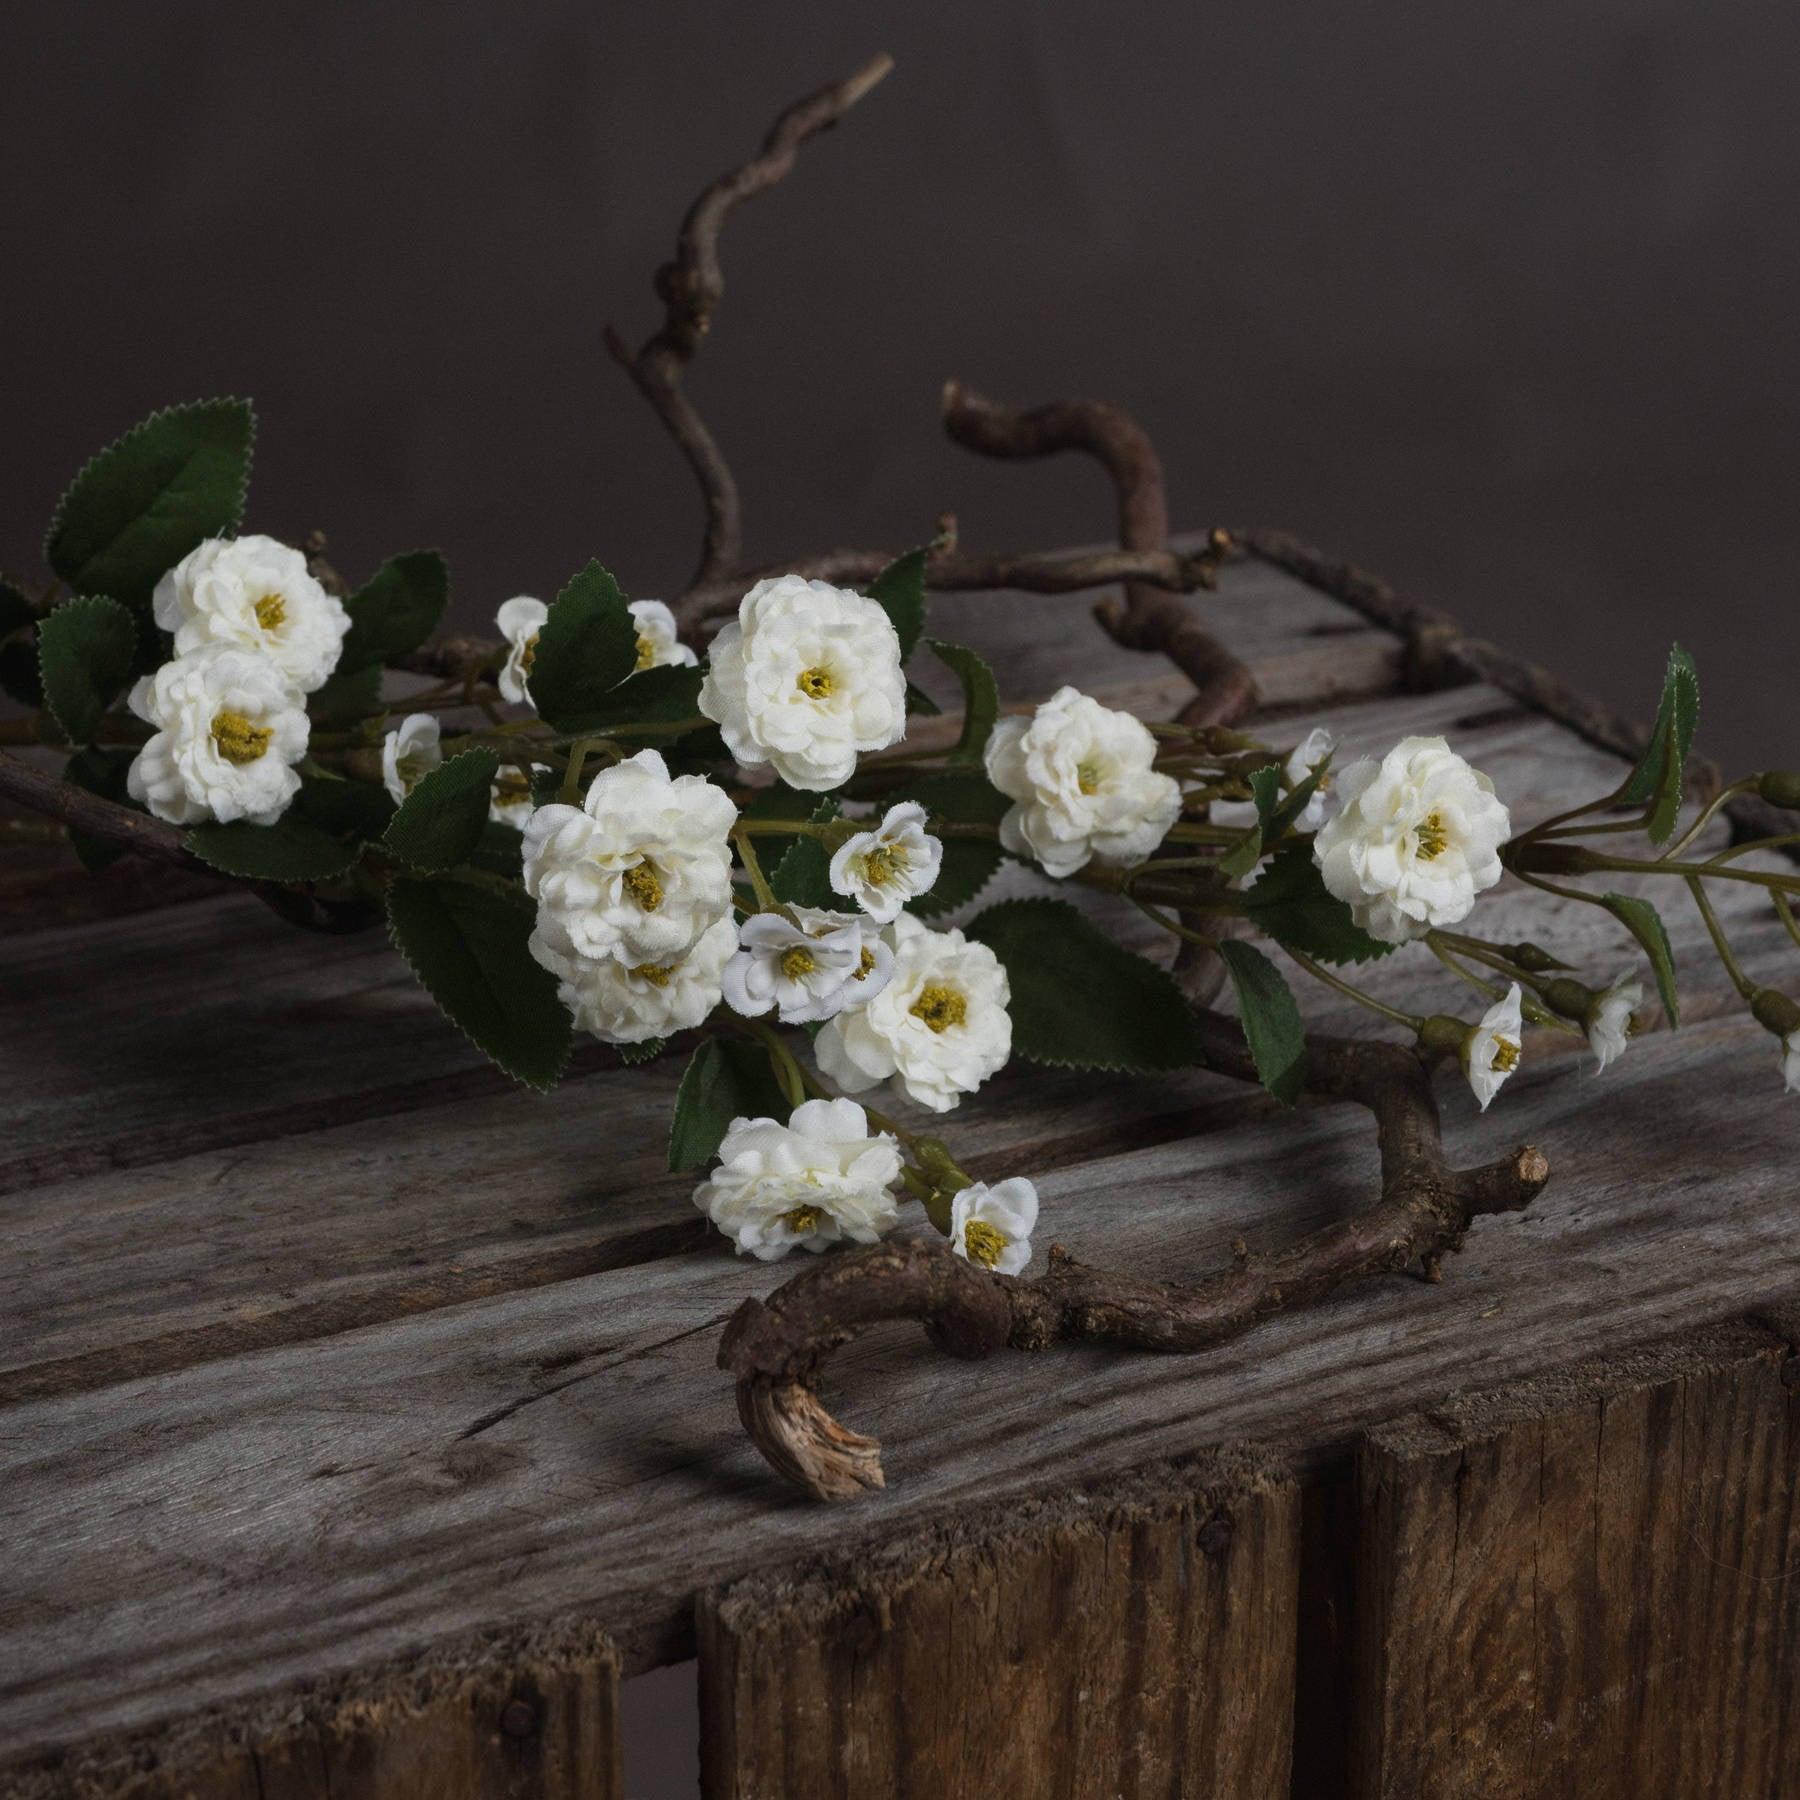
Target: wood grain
[(1133, 1640)]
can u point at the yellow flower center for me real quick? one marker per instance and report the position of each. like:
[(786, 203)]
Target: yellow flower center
[(866, 967), (815, 683), (984, 1242), (271, 612), (940, 1007), (1506, 1055), (1432, 838), (528, 654), (1088, 773), (641, 884), (510, 786), (882, 864), (237, 739), (797, 962), (646, 656), (803, 1221), (657, 974)]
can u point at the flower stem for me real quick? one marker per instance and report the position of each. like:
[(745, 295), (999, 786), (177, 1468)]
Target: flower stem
[(1319, 973), (1742, 982), (759, 882)]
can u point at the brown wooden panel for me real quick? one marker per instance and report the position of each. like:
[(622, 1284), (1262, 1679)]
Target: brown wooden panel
[(1133, 1640), (1587, 1583)]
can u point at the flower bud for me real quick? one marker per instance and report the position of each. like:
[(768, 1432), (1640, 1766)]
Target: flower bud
[(1531, 957), (1551, 858), (1775, 1012), (1780, 787), (1443, 1034), (1572, 999)]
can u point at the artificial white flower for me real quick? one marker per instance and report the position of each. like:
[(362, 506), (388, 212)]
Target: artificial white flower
[(1609, 1021), (409, 753), (940, 1026), (630, 1003), (820, 1177), (636, 872), (1790, 1061), (229, 727), (1082, 778), (807, 968), (1417, 839), (253, 593), (1306, 756), (658, 646), (805, 678), (992, 1225), (520, 620), (509, 800), (1491, 1051), (896, 862)]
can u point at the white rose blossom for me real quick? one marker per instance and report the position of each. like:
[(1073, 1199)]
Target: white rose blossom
[(630, 1003), (409, 753), (509, 801), (805, 678), (820, 1178), (636, 872), (229, 727), (940, 1026), (1491, 1051), (1790, 1061), (1609, 1021), (1306, 756), (520, 620), (253, 593), (881, 870), (1082, 779), (809, 968), (992, 1225), (658, 646), (1417, 838)]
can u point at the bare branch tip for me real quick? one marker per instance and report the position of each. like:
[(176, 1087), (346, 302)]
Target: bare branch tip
[(802, 1442)]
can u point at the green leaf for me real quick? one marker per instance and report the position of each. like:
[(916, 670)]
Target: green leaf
[(85, 652), (1291, 904), (803, 876), (723, 1081), (100, 772), (292, 849), (349, 695), (501, 850), (1078, 1000), (1645, 924), (920, 702), (588, 645), (969, 863), (650, 697), (778, 801), (648, 1051), (147, 499), (396, 609), (468, 945), (1265, 790), (347, 809), (1660, 774), (981, 698), (1282, 821), (1269, 1016), (900, 591), (439, 824)]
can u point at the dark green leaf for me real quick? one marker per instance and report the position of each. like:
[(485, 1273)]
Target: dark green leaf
[(650, 697), (1078, 1000), (146, 500), (1659, 776), (588, 645), (349, 695), (1269, 1016), (396, 609), (1246, 853), (1645, 924), (501, 850), (920, 702), (100, 772), (1295, 804), (468, 945), (778, 801), (85, 653), (440, 822), (292, 849), (981, 698), (347, 809), (900, 591), (969, 863), (648, 1051), (1291, 904), (725, 1080), (803, 876)]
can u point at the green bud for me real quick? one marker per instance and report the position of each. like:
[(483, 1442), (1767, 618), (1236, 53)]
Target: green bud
[(1553, 858), (1444, 1034), (1572, 999), (1780, 787), (1775, 1012), (1533, 958)]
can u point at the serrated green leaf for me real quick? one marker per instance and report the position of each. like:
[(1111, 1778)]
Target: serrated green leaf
[(900, 592), (292, 849), (648, 1051), (724, 1080), (1270, 1018), (149, 497), (981, 699), (347, 809), (1265, 790), (921, 703), (19, 678), (439, 824), (85, 651), (778, 801), (100, 772), (803, 875), (468, 945), (501, 850), (16, 612), (1282, 822), (1246, 853), (349, 695), (396, 609), (649, 697), (1645, 924), (1078, 1000), (969, 863), (1290, 903), (1660, 776), (587, 646)]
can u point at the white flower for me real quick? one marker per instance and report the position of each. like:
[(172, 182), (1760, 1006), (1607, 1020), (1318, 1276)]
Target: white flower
[(253, 593), (806, 677), (409, 753), (940, 1026), (658, 647), (520, 620), (637, 872), (812, 967), (1609, 1021), (812, 1181), (509, 802), (1790, 1061), (992, 1225), (629, 1003), (1418, 838), (228, 728), (1081, 776), (1302, 760), (1491, 1051), (896, 862)]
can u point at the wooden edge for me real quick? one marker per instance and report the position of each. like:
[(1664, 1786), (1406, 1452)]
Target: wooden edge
[(532, 1712)]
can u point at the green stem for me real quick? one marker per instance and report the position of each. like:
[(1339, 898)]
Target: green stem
[(1742, 982), (1410, 1020), (1183, 932), (787, 1071), (1708, 813), (765, 895)]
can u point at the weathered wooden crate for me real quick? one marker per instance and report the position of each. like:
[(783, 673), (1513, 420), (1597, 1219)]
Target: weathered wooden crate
[(359, 1422)]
